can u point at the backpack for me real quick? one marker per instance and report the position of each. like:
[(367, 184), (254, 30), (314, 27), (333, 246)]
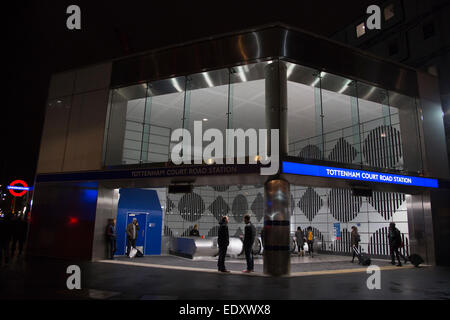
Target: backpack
[(310, 236)]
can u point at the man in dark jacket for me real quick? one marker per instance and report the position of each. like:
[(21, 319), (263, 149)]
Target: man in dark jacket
[(111, 238), (132, 232), (355, 239), (223, 241), (395, 242), (249, 239)]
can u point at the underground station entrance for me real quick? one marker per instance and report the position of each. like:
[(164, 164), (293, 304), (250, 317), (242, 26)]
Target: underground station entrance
[(168, 209)]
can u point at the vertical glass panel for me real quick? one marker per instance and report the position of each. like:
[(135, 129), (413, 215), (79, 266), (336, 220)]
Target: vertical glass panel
[(247, 110), (126, 115), (208, 105), (304, 112), (340, 119), (405, 119), (164, 113), (381, 139)]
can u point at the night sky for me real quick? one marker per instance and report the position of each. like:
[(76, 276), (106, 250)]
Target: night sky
[(37, 44)]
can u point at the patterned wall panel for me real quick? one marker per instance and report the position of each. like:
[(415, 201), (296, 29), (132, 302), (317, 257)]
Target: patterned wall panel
[(310, 203), (379, 243), (311, 152), (320, 208), (343, 205), (239, 208), (387, 203), (343, 152), (219, 208), (257, 207), (191, 207), (382, 147)]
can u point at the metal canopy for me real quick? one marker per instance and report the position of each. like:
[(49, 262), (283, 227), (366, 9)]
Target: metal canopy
[(265, 43)]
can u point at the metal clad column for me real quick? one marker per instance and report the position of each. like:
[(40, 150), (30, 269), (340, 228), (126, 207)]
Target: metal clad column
[(276, 191)]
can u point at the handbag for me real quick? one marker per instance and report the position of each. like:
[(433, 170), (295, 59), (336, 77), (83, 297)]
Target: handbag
[(133, 253)]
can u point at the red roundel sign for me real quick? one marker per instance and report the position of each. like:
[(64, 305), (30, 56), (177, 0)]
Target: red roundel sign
[(18, 188)]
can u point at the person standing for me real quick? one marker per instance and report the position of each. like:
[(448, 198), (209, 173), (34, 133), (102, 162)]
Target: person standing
[(395, 240), (355, 239), (300, 240), (310, 241), (249, 239), (132, 231), (194, 232), (111, 238), (19, 234), (5, 238), (223, 241)]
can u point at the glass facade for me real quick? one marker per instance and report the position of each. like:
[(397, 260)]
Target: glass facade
[(330, 118)]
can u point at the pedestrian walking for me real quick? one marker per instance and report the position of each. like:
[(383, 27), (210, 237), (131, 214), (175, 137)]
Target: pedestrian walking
[(310, 241), (355, 239), (132, 232), (300, 240), (249, 239), (223, 241), (395, 241)]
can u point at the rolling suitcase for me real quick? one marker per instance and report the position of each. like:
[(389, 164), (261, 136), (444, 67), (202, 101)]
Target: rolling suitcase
[(362, 258), (415, 259)]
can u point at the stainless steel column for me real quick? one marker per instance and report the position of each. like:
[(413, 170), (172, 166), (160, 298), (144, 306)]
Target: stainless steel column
[(276, 103), (277, 194), (277, 226)]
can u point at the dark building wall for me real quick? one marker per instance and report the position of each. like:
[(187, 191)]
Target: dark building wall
[(62, 220)]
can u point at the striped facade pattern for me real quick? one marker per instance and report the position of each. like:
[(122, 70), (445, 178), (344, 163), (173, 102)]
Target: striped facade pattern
[(343, 152), (382, 147), (387, 203), (319, 208), (343, 205), (379, 243), (310, 203)]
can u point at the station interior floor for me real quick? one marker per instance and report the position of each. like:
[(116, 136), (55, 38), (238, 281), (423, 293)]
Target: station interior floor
[(300, 266)]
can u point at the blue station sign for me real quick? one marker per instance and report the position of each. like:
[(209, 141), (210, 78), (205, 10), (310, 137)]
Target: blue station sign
[(349, 174)]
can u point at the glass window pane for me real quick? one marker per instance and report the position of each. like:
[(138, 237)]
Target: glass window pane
[(125, 125), (208, 103), (304, 112), (340, 119), (164, 113), (247, 110)]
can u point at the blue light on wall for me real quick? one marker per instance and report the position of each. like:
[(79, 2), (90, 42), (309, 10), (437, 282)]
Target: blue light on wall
[(348, 174)]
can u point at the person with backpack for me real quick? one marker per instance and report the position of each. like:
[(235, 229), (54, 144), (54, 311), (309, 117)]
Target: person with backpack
[(395, 241), (310, 241), (355, 239)]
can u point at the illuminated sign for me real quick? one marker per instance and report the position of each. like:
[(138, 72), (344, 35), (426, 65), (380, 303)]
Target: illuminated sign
[(14, 186), (349, 174)]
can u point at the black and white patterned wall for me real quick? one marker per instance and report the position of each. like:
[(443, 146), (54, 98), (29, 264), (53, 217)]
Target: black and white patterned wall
[(320, 208), (380, 145)]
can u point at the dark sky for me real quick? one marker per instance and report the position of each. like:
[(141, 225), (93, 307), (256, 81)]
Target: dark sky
[(38, 44)]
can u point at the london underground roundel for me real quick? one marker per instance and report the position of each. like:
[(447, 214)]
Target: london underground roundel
[(18, 188)]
